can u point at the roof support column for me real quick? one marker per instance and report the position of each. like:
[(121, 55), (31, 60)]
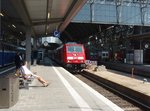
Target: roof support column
[(34, 51), (92, 11), (34, 44), (118, 10), (143, 5), (28, 46)]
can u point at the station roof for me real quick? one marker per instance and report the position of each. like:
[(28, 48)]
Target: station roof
[(44, 16)]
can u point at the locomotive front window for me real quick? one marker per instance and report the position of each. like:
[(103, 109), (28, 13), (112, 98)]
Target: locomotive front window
[(74, 49)]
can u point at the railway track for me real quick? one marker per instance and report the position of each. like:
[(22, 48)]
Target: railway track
[(116, 97)]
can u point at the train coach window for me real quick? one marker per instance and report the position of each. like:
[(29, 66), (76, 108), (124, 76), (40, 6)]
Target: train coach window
[(74, 49)]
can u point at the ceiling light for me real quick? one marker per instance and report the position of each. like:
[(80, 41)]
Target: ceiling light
[(13, 25), (48, 16), (110, 27), (96, 37), (1, 14), (47, 26), (90, 37)]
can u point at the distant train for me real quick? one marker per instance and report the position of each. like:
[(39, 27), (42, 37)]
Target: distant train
[(7, 53), (104, 55), (91, 55), (96, 55), (71, 55)]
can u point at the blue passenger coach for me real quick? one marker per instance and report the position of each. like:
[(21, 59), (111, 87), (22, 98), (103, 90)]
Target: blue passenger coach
[(7, 53)]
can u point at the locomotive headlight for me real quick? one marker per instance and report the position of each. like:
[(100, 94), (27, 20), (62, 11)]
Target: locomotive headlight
[(68, 61), (80, 58), (75, 54), (70, 58)]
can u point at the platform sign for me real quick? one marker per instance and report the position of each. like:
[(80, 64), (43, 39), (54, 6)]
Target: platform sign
[(91, 62), (56, 33), (23, 43), (45, 43)]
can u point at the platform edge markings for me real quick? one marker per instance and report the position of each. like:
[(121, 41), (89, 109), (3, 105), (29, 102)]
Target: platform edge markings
[(97, 94), (79, 100)]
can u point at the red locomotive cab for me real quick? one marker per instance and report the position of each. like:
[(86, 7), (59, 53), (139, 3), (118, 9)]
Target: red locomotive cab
[(71, 56), (75, 54)]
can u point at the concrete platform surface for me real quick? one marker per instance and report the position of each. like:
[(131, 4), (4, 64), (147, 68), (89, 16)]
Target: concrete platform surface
[(136, 83), (65, 93)]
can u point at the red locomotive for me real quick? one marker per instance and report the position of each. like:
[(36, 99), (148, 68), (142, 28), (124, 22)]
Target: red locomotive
[(71, 55)]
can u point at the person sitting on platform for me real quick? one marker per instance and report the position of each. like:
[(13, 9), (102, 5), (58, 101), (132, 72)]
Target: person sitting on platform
[(27, 74)]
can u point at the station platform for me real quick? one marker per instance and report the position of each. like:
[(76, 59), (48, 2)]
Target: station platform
[(133, 86), (65, 93), (136, 82), (139, 69)]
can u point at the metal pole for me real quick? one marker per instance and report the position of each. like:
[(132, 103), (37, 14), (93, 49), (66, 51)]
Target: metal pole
[(28, 46), (132, 71)]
